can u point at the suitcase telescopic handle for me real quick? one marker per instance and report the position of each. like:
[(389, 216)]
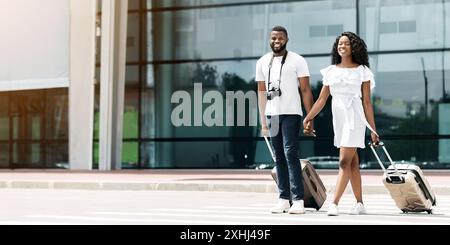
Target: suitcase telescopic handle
[(270, 148), (372, 146)]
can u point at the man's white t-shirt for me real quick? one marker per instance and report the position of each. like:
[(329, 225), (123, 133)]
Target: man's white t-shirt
[(295, 66)]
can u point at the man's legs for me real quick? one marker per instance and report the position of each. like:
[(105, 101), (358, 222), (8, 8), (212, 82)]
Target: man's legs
[(290, 126), (276, 135)]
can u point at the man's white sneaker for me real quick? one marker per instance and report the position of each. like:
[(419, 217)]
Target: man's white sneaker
[(297, 207), (282, 206), (358, 209), (333, 210)]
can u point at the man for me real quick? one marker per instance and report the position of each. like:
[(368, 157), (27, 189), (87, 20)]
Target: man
[(283, 80)]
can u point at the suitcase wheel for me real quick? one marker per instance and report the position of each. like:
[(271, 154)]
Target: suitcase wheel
[(404, 211), (430, 211)]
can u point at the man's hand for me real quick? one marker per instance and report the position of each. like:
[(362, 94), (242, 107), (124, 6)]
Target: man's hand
[(265, 131), (308, 128)]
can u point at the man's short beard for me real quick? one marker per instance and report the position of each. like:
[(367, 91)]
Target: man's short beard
[(282, 48)]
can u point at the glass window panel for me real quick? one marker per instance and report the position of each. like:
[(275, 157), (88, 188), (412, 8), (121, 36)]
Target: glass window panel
[(36, 152), (98, 50), (36, 123), (4, 128), (317, 31), (407, 26), (57, 114), (446, 75), (57, 155), (148, 104), (96, 156), (97, 111), (131, 114), (446, 13), (39, 118), (209, 74), (198, 33), (444, 129), (205, 154), (133, 37), (214, 77), (96, 124), (150, 82), (132, 75), (4, 116), (403, 24), (4, 155), (130, 155), (444, 115), (134, 4), (315, 65), (148, 113), (403, 82), (388, 27), (334, 30), (15, 152), (97, 73), (148, 155), (28, 154), (15, 125)]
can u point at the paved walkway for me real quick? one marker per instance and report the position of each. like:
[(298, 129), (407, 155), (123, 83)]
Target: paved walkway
[(188, 180)]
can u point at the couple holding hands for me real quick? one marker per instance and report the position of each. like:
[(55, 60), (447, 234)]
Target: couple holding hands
[(283, 83)]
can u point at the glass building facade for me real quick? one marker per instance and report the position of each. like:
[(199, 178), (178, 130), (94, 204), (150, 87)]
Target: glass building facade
[(174, 44), (34, 128)]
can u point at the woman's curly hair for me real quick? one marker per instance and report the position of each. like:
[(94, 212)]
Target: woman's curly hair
[(359, 50)]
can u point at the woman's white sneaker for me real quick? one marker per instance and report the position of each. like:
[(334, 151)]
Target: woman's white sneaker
[(282, 206), (358, 209), (333, 210)]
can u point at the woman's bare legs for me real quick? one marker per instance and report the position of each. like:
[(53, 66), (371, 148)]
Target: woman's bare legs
[(346, 156), (355, 179)]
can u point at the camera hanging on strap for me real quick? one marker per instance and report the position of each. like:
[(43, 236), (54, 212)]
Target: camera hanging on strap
[(275, 91)]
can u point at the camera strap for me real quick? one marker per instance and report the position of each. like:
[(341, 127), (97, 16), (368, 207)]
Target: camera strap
[(281, 69)]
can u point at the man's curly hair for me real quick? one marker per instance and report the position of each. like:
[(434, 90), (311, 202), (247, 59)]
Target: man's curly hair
[(359, 50)]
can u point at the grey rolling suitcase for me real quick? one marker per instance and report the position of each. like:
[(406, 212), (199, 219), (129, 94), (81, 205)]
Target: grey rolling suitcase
[(315, 192), (407, 185)]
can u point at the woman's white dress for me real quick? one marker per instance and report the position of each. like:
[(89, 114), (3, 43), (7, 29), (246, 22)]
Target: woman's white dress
[(349, 121)]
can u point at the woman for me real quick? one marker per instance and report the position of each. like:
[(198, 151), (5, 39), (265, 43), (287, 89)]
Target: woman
[(347, 80)]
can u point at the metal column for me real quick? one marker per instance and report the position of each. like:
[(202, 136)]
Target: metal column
[(112, 85), (81, 88)]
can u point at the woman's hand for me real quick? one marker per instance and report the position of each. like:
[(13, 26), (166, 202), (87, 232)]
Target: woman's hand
[(375, 138), (308, 127)]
